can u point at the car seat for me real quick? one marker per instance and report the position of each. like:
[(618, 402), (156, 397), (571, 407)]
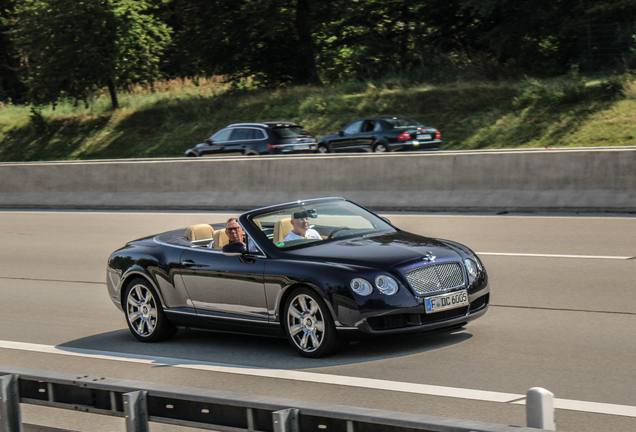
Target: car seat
[(282, 228), (220, 239), (199, 232)]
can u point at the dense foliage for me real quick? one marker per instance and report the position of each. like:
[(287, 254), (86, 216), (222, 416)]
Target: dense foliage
[(51, 49), (71, 49)]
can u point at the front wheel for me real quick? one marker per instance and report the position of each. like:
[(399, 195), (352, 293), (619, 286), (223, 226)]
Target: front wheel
[(322, 148), (144, 314), (308, 324)]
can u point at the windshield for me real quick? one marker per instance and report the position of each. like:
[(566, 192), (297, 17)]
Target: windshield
[(312, 224)]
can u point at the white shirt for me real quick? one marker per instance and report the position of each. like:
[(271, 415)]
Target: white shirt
[(310, 234)]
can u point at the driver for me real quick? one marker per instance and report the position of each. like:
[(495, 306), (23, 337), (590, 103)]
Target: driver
[(235, 234), (300, 230)]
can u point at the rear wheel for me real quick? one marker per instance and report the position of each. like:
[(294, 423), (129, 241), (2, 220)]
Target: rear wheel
[(308, 324), (144, 313), (380, 148)]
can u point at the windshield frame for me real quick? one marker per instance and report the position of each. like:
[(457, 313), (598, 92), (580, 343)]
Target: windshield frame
[(262, 221)]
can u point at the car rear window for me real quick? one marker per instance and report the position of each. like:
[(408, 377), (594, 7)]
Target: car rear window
[(290, 132), (403, 122)]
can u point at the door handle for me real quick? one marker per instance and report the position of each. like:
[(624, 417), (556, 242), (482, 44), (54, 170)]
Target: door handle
[(188, 263)]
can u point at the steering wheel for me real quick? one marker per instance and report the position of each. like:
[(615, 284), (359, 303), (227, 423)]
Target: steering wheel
[(333, 233)]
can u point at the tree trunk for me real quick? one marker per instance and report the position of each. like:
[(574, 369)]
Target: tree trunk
[(309, 75), (113, 93)]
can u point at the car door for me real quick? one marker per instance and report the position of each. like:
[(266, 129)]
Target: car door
[(226, 290), (367, 135), (217, 142), (347, 139), (236, 144)]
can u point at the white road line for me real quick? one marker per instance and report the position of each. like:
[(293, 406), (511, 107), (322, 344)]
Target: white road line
[(368, 383), (556, 255)]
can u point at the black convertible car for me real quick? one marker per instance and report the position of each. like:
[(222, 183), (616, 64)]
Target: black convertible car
[(358, 276)]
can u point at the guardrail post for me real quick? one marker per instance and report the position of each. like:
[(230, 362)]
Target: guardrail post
[(540, 409), (136, 410), (10, 420), (286, 420)]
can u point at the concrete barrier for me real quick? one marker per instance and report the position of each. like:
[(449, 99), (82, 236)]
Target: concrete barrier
[(587, 180)]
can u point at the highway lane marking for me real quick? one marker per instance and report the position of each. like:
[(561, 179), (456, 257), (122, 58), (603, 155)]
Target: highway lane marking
[(556, 255), (312, 377)]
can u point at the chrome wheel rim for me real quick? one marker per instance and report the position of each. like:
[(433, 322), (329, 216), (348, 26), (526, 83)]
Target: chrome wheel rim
[(322, 149), (305, 323), (380, 148), (142, 310)]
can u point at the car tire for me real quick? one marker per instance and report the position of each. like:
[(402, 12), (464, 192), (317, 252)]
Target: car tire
[(251, 153), (322, 148), (308, 324), (380, 148), (192, 154), (144, 314)]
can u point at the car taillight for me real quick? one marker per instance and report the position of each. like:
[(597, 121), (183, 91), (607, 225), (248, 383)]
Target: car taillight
[(437, 134), (404, 136), (271, 147)]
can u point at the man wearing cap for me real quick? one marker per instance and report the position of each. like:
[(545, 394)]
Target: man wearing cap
[(300, 230)]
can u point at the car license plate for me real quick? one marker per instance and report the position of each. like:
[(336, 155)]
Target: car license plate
[(301, 147), (446, 301), (424, 136)]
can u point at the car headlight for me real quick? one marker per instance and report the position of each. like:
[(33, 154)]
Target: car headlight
[(471, 268), (361, 286), (386, 284)]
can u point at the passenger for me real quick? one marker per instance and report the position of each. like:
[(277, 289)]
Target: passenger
[(300, 230)]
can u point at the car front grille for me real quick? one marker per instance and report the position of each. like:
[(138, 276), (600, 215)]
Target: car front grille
[(436, 277)]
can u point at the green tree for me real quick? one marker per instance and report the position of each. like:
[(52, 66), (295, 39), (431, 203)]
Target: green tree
[(269, 41), (10, 86), (72, 49)]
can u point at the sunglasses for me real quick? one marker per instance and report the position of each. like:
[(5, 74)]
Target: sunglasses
[(233, 229)]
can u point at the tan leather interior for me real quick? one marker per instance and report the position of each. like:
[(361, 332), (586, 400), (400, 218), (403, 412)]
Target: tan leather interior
[(281, 229), (199, 232), (220, 239)]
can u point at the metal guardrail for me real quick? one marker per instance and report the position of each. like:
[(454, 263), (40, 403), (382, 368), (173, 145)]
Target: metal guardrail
[(141, 403)]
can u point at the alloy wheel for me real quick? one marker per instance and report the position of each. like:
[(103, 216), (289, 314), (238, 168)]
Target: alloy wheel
[(305, 323), (141, 308)]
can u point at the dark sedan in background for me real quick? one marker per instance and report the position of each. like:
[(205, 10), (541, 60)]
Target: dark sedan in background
[(257, 139), (362, 276), (382, 134)]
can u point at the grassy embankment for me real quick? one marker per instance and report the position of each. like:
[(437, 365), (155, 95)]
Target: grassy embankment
[(569, 111)]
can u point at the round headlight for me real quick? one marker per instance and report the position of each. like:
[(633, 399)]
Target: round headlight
[(361, 286), (386, 284), (471, 268)]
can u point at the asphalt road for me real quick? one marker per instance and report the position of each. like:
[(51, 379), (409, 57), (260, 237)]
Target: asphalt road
[(563, 317)]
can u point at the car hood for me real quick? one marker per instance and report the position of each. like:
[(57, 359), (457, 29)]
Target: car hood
[(384, 251)]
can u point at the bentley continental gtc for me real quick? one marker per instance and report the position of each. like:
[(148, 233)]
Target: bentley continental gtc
[(318, 272)]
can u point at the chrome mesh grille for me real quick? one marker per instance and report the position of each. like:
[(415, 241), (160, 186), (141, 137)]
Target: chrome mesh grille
[(436, 277)]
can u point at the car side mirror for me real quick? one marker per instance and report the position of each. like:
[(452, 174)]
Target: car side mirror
[(386, 220), (208, 141), (341, 133), (234, 249)]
